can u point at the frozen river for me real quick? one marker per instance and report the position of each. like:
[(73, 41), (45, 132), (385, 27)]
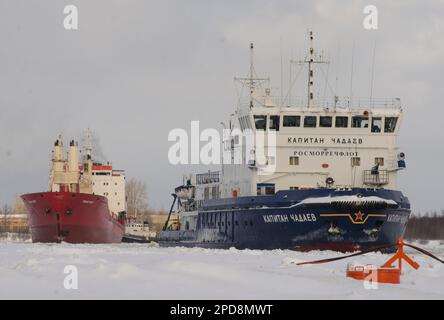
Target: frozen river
[(125, 271)]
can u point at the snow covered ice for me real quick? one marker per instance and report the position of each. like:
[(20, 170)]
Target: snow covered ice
[(140, 271)]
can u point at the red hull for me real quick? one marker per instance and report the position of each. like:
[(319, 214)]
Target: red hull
[(71, 217)]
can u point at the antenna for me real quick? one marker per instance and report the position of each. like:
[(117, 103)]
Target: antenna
[(373, 73), (351, 73), (251, 81), (88, 143), (282, 76), (310, 60)]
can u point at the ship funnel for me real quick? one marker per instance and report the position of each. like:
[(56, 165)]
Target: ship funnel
[(73, 157), (58, 150)]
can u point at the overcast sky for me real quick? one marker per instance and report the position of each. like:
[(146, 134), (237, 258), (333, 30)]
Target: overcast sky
[(136, 69)]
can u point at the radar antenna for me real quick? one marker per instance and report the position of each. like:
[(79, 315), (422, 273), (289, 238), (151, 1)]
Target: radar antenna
[(311, 59), (252, 81)]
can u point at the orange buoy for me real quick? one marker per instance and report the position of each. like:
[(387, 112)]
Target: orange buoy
[(385, 274)]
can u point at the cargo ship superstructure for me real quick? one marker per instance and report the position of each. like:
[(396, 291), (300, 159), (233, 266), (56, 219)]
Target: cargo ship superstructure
[(85, 203), (330, 182)]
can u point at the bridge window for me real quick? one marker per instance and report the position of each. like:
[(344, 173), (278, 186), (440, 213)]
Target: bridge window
[(341, 122), (390, 124), (294, 161), (292, 121), (379, 162), (359, 122), (325, 122), (376, 124), (274, 123), (355, 161), (260, 122), (265, 189), (310, 122)]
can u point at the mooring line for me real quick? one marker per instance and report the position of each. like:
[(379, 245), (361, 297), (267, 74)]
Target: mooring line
[(423, 251)]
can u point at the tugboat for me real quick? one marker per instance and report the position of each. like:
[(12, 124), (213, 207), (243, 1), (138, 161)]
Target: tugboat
[(332, 183), (85, 203), (138, 232)]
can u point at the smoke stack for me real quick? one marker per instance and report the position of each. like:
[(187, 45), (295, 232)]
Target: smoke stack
[(73, 157), (58, 150)]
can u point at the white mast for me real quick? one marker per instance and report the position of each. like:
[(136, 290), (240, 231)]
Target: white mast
[(88, 143), (310, 60), (251, 81)]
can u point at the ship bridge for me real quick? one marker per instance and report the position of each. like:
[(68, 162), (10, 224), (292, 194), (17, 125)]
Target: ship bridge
[(337, 142)]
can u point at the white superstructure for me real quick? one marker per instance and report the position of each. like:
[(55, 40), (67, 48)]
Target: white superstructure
[(110, 184), (336, 142)]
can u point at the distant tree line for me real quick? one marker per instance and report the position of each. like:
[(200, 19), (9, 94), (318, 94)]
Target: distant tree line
[(426, 227), (137, 201)]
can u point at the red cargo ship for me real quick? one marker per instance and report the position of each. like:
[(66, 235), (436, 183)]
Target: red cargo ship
[(84, 204)]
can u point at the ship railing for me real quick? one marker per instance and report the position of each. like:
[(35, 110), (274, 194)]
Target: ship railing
[(208, 177), (330, 103), (375, 177)]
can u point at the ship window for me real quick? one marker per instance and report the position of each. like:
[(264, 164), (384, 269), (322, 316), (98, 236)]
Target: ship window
[(325, 122), (294, 161), (390, 124), (341, 122), (294, 188), (359, 122), (355, 161), (214, 193), (310, 122), (292, 121), (260, 122), (379, 162), (274, 123), (376, 124)]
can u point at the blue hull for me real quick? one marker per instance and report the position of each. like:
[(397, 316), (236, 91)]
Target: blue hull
[(285, 221)]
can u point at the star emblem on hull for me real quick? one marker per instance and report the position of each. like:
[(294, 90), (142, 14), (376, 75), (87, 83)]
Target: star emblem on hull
[(359, 216)]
